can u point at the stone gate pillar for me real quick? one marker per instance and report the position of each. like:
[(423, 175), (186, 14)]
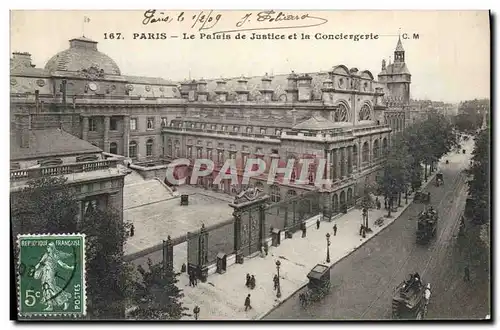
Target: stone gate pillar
[(168, 254), (203, 254), (249, 199)]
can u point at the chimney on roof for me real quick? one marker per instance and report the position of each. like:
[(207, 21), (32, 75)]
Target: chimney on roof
[(291, 90), (221, 90), (266, 90), (304, 87), (23, 59), (242, 90), (327, 91), (202, 91)]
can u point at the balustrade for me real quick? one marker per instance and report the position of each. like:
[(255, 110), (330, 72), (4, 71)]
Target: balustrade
[(33, 173)]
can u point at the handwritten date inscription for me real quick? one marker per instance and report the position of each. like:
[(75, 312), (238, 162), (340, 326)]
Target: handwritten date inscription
[(248, 22)]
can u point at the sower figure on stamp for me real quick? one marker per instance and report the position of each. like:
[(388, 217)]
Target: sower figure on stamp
[(46, 270)]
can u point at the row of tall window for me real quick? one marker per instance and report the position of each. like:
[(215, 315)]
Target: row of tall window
[(114, 123), (197, 150), (225, 128), (132, 148)]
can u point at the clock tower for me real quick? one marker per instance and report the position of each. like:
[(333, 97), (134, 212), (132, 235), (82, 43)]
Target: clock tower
[(397, 76)]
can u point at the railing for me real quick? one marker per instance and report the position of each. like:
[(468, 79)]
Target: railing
[(33, 173)]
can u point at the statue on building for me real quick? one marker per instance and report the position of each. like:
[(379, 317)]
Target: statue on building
[(383, 65), (248, 195)]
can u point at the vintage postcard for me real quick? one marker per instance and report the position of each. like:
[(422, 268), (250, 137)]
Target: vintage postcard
[(250, 165)]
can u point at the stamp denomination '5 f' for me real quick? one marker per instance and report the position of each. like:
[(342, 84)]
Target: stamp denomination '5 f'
[(51, 275)]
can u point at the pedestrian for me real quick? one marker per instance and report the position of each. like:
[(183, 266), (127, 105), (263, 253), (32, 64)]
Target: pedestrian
[(275, 281), (247, 303), (304, 229), (132, 230), (361, 230), (427, 294), (195, 279), (466, 274), (335, 230), (317, 224), (191, 279), (378, 205), (248, 281), (252, 282)]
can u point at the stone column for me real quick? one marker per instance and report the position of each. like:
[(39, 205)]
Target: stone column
[(85, 128), (106, 134), (338, 162), (342, 162), (126, 134), (349, 160), (334, 171), (328, 163)]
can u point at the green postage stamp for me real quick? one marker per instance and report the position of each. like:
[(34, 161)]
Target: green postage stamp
[(51, 275)]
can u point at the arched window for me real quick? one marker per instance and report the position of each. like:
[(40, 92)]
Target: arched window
[(149, 148), (376, 150), (113, 148), (341, 114), (384, 146), (365, 113), (177, 149), (132, 149), (354, 156), (291, 194), (274, 192), (365, 153), (349, 197), (259, 185), (169, 148), (342, 198), (335, 203)]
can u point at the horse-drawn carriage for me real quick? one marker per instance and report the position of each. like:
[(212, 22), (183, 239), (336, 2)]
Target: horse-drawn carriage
[(318, 286), (427, 225), (422, 197), (439, 179), (409, 301)]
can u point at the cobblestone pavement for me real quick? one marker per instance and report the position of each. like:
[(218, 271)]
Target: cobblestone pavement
[(363, 282)]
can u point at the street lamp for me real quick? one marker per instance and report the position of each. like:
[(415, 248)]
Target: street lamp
[(278, 293), (327, 247), (196, 311)]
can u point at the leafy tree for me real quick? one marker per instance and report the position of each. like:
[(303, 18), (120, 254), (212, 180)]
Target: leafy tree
[(479, 184), (49, 205), (45, 205), (394, 178), (157, 295), (107, 276)]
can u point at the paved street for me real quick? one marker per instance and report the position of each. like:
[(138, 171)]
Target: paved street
[(363, 283)]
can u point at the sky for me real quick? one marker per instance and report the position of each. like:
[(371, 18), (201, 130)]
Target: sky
[(450, 60)]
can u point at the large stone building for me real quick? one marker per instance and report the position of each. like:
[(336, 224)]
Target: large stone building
[(342, 114)]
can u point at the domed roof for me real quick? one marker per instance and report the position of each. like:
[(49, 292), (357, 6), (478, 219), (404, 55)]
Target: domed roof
[(82, 55)]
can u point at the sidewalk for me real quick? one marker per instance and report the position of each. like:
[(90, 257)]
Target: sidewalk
[(222, 296)]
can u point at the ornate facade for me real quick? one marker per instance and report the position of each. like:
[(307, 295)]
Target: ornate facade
[(342, 114)]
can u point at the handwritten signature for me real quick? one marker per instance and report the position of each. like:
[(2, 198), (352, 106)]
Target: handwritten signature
[(206, 21)]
